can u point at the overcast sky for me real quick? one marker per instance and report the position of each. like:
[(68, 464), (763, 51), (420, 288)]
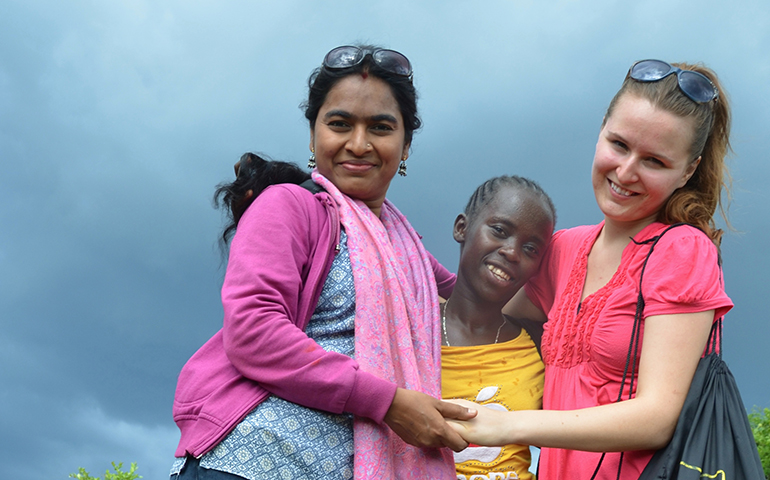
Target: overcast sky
[(118, 119)]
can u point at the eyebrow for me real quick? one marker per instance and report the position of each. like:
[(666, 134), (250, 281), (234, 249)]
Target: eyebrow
[(510, 224), (337, 113), (650, 154), (386, 117), (382, 117)]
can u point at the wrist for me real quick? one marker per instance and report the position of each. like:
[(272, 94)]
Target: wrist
[(371, 397), (518, 426)]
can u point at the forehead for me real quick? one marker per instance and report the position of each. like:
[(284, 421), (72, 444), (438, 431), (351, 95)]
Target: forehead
[(651, 129), (357, 94), (518, 204)]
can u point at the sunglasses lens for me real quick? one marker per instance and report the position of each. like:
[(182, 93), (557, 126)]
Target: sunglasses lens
[(348, 56), (342, 57), (393, 61), (697, 86), (650, 70)]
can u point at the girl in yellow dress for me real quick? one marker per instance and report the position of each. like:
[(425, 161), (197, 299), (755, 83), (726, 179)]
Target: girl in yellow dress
[(488, 357)]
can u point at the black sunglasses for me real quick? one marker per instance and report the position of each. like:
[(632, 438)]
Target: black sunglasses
[(693, 84), (349, 56)]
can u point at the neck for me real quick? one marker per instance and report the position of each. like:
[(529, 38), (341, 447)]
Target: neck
[(375, 206), (474, 314), (622, 232)]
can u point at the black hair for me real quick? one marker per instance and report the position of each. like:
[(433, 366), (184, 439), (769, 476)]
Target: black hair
[(323, 79), (255, 174), (486, 192)]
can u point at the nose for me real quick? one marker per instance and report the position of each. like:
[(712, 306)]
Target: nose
[(358, 144), (511, 251), (626, 170)]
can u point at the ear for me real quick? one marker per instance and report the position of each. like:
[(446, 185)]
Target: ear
[(405, 152), (312, 140), (461, 225), (689, 171)]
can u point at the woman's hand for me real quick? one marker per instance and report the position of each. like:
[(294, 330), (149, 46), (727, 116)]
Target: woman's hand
[(672, 346), (488, 427), (419, 420)]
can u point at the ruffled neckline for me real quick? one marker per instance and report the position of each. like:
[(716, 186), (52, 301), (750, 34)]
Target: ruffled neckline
[(570, 327)]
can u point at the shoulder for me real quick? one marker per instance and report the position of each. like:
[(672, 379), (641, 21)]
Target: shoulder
[(286, 193), (575, 234), (565, 241), (283, 213), (287, 201), (682, 274), (682, 242)]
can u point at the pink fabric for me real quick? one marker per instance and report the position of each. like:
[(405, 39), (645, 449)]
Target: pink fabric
[(279, 260), (585, 351), (397, 332), (285, 236)]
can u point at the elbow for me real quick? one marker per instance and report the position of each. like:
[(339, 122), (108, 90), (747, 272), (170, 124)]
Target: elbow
[(661, 435), (660, 440)]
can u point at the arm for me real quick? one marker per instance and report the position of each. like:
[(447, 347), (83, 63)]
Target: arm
[(520, 306), (672, 347), (273, 250), (419, 420), (445, 280)]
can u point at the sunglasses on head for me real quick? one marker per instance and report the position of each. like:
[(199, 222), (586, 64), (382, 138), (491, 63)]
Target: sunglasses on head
[(349, 56), (696, 86)]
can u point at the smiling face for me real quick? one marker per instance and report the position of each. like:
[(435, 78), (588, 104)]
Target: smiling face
[(642, 157), (358, 138), (503, 244)]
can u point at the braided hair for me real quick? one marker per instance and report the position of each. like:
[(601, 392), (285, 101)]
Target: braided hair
[(486, 192)]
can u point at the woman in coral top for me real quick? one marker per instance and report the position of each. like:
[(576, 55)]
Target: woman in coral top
[(659, 160)]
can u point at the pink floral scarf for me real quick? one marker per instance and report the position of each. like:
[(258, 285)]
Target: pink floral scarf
[(396, 329)]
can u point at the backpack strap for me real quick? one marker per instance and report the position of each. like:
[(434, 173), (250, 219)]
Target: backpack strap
[(633, 347), (311, 186)]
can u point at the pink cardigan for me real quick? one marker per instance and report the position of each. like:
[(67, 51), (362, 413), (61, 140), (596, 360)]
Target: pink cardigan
[(279, 259)]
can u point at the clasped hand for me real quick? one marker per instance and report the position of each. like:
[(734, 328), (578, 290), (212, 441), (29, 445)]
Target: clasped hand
[(419, 420), (487, 427)]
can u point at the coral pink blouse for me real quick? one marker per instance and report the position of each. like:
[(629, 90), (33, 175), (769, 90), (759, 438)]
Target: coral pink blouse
[(585, 345)]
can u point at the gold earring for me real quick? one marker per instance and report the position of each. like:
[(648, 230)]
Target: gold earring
[(402, 167)]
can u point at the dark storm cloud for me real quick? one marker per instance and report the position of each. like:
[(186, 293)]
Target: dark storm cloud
[(119, 119)]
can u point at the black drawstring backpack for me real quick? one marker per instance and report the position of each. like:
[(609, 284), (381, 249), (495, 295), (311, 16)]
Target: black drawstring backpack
[(713, 438)]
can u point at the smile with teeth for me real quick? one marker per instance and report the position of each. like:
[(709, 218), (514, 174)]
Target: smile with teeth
[(498, 273), (620, 191)]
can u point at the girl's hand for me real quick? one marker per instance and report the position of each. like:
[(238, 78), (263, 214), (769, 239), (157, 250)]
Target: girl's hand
[(419, 420), (488, 428)]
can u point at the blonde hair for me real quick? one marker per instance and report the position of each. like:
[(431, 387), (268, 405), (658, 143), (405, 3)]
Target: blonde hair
[(697, 201)]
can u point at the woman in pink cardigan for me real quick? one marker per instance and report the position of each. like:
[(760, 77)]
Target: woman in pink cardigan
[(328, 362)]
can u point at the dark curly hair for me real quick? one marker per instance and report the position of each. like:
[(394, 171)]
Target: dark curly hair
[(255, 174)]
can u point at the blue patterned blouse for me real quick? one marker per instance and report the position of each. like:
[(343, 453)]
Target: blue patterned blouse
[(282, 440)]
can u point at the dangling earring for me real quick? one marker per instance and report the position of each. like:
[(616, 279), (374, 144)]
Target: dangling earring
[(402, 167), (311, 160)]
